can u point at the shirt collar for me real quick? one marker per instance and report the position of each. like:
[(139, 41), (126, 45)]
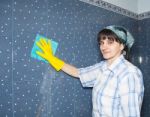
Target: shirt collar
[(114, 65)]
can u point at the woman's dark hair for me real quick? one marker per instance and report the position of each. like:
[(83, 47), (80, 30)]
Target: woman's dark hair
[(106, 33)]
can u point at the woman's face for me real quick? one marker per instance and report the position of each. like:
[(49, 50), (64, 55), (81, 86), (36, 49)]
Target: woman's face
[(110, 49)]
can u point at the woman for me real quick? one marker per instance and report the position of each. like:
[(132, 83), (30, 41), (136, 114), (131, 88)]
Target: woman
[(117, 84)]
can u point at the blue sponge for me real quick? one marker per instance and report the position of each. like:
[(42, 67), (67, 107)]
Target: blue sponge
[(36, 48)]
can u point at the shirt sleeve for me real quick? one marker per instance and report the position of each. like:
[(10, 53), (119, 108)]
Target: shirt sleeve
[(131, 91), (88, 75)]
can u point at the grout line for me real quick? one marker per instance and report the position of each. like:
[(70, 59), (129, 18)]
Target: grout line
[(12, 24)]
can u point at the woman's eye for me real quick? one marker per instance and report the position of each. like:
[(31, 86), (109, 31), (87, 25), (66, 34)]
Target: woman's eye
[(101, 43), (110, 42)]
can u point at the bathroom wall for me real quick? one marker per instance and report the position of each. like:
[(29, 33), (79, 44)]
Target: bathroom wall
[(6, 59), (144, 55), (31, 88)]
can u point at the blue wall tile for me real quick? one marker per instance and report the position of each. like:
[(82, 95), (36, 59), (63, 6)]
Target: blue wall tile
[(26, 98), (144, 53), (6, 59)]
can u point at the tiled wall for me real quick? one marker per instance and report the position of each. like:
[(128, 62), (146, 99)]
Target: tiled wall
[(144, 53), (30, 88)]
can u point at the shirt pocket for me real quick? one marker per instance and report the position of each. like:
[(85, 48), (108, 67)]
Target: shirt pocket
[(110, 97), (110, 105)]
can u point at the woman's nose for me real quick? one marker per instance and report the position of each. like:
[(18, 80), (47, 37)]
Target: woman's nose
[(104, 45)]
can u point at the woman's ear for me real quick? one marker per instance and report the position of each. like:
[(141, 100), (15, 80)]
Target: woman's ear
[(122, 47)]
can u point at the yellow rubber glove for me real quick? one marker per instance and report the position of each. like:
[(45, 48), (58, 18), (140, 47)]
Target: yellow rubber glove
[(47, 54)]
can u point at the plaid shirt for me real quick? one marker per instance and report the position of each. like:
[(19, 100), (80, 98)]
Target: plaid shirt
[(117, 90)]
